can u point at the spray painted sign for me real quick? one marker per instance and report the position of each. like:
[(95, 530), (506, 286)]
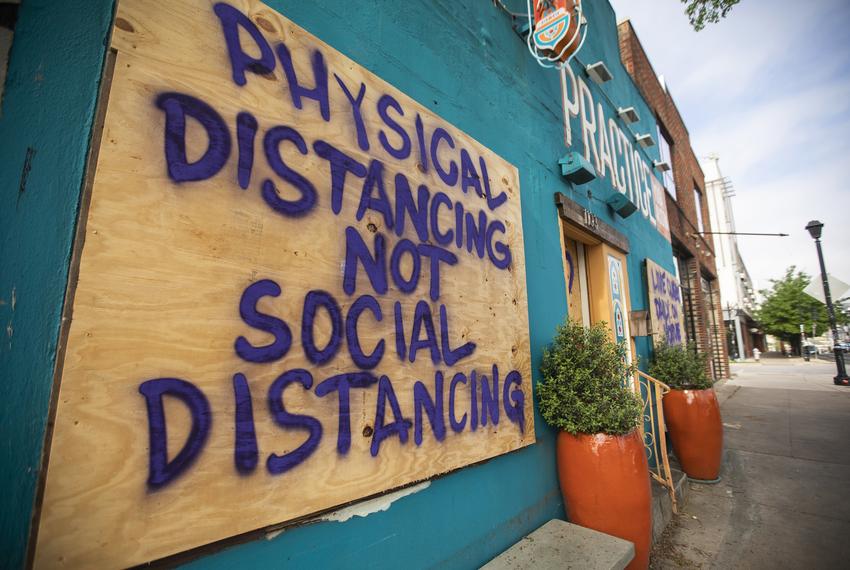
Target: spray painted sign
[(298, 288), (665, 304)]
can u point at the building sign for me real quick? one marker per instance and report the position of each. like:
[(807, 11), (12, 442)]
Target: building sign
[(550, 24), (665, 304), (591, 221), (612, 151), (298, 288)]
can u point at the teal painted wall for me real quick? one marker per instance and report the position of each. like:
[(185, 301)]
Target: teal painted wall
[(644, 239), (48, 106), (460, 59)]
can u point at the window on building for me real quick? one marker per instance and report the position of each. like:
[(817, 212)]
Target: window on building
[(664, 146), (698, 208)]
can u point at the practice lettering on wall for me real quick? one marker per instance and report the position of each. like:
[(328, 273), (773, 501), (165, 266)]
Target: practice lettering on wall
[(611, 150), (298, 288)]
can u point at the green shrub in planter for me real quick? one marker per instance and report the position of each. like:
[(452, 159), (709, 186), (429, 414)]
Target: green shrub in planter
[(680, 367), (582, 390)]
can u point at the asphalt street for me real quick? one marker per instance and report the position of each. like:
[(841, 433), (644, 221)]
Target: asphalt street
[(784, 497)]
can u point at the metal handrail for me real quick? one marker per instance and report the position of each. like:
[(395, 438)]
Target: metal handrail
[(655, 440), (664, 386)]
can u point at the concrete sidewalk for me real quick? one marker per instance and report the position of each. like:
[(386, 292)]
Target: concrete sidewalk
[(784, 501)]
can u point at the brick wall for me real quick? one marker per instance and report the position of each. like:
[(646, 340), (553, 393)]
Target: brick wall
[(682, 208), (721, 346)]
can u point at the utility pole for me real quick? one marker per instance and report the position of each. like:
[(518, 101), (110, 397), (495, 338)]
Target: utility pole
[(815, 229)]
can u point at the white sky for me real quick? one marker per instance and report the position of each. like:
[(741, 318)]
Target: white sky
[(768, 90)]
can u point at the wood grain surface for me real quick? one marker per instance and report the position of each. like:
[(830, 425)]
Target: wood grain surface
[(667, 316), (162, 271)]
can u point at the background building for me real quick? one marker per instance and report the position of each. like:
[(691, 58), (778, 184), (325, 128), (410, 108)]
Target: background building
[(687, 208), (737, 292)]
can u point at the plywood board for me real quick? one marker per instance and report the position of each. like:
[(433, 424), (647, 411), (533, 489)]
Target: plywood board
[(243, 246), (665, 304)]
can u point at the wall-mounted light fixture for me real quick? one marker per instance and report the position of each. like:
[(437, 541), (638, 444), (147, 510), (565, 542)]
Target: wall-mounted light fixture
[(598, 72), (576, 169), (628, 114), (621, 204), (645, 141), (661, 165)]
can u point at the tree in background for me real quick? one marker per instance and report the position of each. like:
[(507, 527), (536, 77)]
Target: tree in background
[(786, 307), (702, 12)]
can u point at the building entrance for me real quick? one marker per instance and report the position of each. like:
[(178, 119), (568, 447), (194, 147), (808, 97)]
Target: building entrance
[(595, 273)]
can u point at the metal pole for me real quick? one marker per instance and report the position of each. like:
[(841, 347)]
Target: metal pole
[(739, 234), (841, 378)]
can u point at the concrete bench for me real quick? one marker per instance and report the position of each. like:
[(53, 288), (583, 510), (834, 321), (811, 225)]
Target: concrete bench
[(559, 544)]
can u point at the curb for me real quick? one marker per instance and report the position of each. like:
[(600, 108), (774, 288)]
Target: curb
[(723, 395)]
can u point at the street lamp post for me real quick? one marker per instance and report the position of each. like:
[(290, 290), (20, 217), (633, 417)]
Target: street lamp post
[(815, 228)]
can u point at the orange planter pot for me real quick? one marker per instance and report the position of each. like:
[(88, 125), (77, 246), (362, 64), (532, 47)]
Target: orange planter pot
[(696, 431), (605, 483)]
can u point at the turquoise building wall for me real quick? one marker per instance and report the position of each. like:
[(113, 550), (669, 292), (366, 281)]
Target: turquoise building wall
[(45, 121), (464, 61)]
